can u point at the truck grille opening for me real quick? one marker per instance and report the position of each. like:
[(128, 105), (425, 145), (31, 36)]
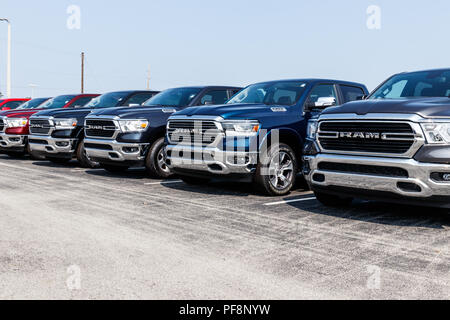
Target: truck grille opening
[(188, 132), (371, 137), (100, 128), (40, 126), (364, 169)]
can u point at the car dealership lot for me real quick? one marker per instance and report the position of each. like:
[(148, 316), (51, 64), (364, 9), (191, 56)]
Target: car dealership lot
[(133, 237)]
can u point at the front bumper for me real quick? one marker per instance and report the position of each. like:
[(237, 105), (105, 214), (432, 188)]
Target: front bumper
[(419, 174), (49, 146), (12, 142), (210, 160), (112, 151)]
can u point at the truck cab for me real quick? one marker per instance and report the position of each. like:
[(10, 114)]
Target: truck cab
[(257, 136), (131, 137), (58, 135), (14, 124)]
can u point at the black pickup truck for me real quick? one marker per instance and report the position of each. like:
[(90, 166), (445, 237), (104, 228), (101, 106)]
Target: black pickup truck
[(394, 146), (124, 137), (58, 135)]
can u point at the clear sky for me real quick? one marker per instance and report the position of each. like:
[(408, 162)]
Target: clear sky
[(232, 42)]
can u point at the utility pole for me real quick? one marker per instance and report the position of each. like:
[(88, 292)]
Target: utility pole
[(82, 72), (148, 78), (8, 68)]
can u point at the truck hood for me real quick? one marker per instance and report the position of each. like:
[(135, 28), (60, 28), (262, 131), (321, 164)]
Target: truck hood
[(65, 113), (425, 107), (134, 112), (19, 113), (231, 111)]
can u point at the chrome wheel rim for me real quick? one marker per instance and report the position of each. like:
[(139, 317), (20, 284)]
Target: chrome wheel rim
[(281, 170), (161, 161)]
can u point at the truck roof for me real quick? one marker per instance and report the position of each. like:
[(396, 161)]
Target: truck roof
[(316, 80)]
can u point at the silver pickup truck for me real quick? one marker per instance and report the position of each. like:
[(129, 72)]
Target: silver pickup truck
[(393, 146)]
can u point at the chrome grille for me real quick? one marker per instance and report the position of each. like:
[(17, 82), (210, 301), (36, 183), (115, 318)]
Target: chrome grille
[(378, 137), (2, 125), (199, 132), (41, 126), (100, 128)]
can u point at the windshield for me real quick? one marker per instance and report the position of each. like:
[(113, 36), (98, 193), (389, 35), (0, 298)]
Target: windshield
[(32, 103), (285, 93), (57, 103), (415, 85), (178, 97), (107, 100)]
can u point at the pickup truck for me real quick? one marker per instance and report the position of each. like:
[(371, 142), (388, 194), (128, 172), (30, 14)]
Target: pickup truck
[(58, 135), (394, 146), (257, 136), (14, 124), (128, 137), (11, 104)]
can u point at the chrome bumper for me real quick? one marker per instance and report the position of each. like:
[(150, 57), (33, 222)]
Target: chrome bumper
[(51, 145), (12, 140), (418, 173), (210, 159), (114, 151)]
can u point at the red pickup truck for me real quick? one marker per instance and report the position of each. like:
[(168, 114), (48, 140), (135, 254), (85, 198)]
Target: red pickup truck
[(14, 124), (10, 104)]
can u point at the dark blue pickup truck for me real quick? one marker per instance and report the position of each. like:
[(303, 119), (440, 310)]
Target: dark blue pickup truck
[(258, 135), (128, 137), (58, 135)]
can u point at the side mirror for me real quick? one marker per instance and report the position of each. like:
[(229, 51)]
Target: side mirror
[(325, 102), (134, 105), (208, 103), (6, 108), (363, 97)]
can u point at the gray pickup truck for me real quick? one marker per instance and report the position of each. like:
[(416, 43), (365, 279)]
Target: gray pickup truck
[(393, 146)]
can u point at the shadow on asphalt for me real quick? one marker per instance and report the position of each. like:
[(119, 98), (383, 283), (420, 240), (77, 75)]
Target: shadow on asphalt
[(133, 173), (232, 188), (49, 164), (383, 213)]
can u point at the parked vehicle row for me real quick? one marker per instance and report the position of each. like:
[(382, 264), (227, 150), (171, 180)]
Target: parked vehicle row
[(391, 145)]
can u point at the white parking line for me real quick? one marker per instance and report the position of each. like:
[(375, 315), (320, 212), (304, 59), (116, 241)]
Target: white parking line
[(163, 182), (289, 201)]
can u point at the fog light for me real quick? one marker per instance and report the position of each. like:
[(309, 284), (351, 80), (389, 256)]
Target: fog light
[(441, 176), (14, 139), (130, 149), (62, 144)]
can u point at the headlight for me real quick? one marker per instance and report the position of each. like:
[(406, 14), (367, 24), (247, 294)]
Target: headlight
[(241, 127), (133, 125), (16, 122), (311, 131), (65, 124), (437, 132)]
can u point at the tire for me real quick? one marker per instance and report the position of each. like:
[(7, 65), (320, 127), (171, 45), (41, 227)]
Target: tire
[(155, 162), (277, 170), (194, 181), (330, 200), (59, 160), (82, 157), (113, 168)]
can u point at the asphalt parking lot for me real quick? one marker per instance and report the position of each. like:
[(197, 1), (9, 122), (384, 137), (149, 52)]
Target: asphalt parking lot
[(127, 236)]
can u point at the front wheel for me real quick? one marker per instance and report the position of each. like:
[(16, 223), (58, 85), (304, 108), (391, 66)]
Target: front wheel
[(330, 200), (155, 162), (114, 169), (82, 157), (277, 170)]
